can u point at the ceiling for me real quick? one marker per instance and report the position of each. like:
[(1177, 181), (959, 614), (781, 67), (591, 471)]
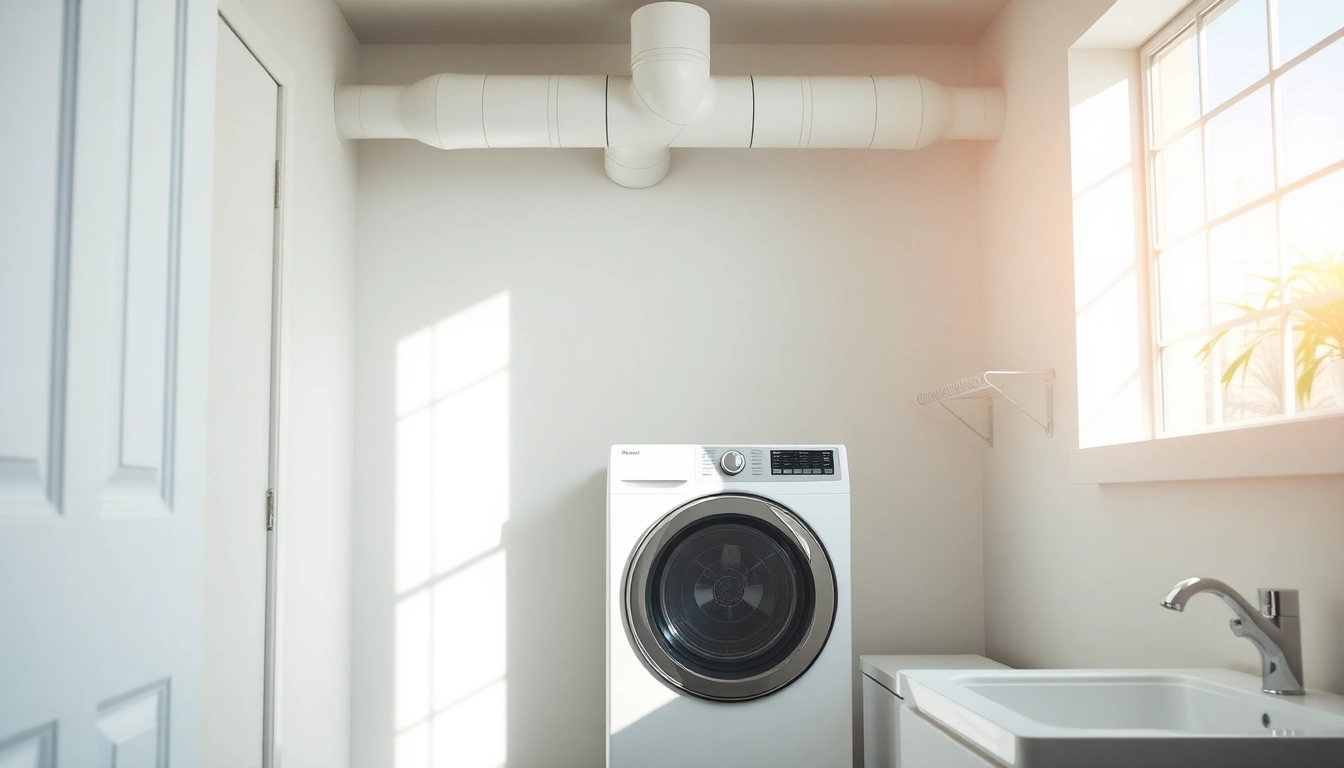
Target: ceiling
[(608, 21)]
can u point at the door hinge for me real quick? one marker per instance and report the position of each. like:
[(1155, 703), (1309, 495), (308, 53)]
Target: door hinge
[(270, 509), (277, 184)]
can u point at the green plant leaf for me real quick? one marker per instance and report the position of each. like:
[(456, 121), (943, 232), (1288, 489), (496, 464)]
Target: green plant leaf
[(1319, 327), (1242, 361)]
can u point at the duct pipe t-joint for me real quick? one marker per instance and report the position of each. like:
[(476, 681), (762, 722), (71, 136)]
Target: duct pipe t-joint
[(669, 100)]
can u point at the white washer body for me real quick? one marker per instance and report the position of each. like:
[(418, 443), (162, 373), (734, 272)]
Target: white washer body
[(650, 724)]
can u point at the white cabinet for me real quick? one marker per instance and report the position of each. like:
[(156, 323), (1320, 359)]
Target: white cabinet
[(882, 699), (925, 745), (881, 726)]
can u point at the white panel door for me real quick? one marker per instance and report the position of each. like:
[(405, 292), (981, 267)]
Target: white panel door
[(105, 134), (238, 444)]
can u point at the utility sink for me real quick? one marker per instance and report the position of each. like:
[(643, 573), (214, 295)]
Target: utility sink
[(1149, 718)]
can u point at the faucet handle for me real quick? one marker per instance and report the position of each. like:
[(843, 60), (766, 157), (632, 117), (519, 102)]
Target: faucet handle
[(1278, 602)]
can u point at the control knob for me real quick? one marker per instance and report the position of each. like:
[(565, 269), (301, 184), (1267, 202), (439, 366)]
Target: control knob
[(732, 462)]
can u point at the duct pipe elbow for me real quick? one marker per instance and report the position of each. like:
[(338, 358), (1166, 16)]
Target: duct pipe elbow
[(637, 168), (669, 58)]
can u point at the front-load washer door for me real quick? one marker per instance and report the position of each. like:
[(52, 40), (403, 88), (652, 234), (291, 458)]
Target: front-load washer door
[(729, 598)]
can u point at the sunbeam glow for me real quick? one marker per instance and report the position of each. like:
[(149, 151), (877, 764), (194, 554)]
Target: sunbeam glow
[(451, 575), (1107, 295)]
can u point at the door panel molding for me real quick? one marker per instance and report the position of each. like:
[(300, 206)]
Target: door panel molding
[(135, 727), (98, 606), (31, 749), (144, 272), (32, 453)]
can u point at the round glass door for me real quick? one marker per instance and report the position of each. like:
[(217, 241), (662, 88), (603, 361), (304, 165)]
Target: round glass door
[(729, 598)]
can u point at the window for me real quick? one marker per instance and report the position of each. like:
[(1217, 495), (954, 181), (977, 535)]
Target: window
[(1244, 103)]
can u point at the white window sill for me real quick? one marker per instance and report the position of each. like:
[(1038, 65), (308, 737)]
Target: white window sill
[(1286, 449)]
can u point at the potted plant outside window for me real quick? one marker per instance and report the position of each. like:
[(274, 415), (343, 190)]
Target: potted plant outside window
[(1318, 353)]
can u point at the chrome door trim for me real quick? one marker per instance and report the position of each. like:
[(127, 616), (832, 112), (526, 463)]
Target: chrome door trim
[(797, 535), (646, 640)]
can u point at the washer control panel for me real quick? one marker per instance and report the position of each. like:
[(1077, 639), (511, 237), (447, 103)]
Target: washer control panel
[(770, 464), (802, 462)]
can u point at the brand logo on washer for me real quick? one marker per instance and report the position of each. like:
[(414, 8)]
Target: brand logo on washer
[(629, 453)]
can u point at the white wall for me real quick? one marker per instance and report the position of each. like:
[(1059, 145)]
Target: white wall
[(319, 47), (1073, 574), (753, 296)]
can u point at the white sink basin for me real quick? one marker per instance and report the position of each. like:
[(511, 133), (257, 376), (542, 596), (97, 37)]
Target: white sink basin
[(1150, 718), (1146, 702)]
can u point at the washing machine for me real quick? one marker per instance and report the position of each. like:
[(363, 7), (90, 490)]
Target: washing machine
[(728, 607)]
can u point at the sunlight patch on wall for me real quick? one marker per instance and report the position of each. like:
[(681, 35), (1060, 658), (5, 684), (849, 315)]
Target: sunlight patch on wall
[(469, 631), (413, 627), (452, 485), (1106, 252), (1101, 137), (415, 492), (471, 472)]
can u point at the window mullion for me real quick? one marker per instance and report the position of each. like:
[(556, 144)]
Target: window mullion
[(1275, 100), (1288, 386), (1204, 117), (1289, 370), (1272, 28), (1274, 73), (1157, 415), (1285, 315), (1215, 359), (1245, 208)]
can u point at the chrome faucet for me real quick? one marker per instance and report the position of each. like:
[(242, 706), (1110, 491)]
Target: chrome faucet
[(1276, 629)]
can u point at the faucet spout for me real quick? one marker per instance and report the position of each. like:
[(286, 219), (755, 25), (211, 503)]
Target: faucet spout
[(1184, 590), (1275, 628)]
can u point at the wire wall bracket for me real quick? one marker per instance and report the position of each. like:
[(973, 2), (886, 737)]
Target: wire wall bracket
[(995, 385)]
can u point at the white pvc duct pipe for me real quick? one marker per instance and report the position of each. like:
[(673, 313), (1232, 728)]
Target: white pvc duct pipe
[(670, 100)]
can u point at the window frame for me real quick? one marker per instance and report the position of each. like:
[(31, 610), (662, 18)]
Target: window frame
[(1193, 19)]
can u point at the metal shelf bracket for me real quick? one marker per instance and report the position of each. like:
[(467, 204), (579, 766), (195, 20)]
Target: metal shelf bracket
[(988, 387)]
